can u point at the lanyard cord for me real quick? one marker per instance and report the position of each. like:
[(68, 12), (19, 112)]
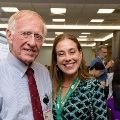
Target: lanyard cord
[(60, 103)]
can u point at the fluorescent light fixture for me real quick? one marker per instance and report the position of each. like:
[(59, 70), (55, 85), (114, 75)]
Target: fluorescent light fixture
[(3, 25), (106, 44), (10, 9), (105, 10), (108, 37), (88, 45), (80, 27), (58, 10), (44, 44), (97, 20), (83, 36), (84, 45), (79, 39), (3, 32), (58, 33), (58, 20), (99, 39), (85, 33), (105, 38)]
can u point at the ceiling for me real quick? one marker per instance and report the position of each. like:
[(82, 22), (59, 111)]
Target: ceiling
[(78, 14)]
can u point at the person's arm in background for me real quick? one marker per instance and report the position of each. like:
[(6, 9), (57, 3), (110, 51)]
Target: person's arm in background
[(109, 64)]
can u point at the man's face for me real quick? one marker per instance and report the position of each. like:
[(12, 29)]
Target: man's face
[(103, 53), (25, 42)]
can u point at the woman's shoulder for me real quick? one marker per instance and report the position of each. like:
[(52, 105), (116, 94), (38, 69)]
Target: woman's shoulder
[(92, 80)]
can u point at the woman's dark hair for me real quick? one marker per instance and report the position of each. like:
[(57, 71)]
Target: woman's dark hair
[(98, 66), (116, 85)]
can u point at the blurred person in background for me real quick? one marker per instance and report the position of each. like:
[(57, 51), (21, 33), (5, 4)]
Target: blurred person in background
[(97, 70), (101, 57), (114, 101)]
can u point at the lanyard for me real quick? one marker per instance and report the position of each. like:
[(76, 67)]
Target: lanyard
[(60, 103)]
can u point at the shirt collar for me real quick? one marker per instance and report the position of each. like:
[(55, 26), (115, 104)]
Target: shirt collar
[(20, 66)]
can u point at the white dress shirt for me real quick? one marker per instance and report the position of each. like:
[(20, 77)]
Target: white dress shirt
[(15, 101)]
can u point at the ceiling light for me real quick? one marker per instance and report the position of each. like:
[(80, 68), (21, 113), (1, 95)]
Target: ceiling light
[(79, 39), (106, 44), (10, 9), (85, 45), (108, 37), (85, 33), (88, 45), (3, 25), (58, 10), (97, 20), (105, 10), (58, 33), (83, 36), (58, 20), (105, 38)]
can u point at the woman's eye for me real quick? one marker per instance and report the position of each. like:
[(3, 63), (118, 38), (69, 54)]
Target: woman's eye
[(60, 54), (72, 52)]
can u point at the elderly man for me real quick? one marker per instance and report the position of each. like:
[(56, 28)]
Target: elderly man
[(25, 85)]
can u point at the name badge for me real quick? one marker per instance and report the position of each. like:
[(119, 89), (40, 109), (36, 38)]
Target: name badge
[(48, 115)]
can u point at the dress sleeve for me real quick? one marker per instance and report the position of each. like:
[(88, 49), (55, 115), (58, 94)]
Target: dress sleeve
[(98, 101)]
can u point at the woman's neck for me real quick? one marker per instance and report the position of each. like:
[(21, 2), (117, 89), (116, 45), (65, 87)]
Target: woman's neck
[(68, 80)]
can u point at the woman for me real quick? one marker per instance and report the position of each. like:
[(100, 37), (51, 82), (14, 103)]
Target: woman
[(76, 96), (97, 70), (114, 102)]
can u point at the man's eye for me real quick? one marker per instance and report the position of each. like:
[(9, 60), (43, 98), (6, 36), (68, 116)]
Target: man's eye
[(26, 33), (38, 36)]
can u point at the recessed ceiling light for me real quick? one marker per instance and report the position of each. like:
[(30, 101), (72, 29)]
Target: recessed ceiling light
[(85, 33), (97, 20), (58, 20), (79, 39), (10, 9), (58, 33), (83, 36), (106, 44), (3, 25), (105, 10), (58, 10)]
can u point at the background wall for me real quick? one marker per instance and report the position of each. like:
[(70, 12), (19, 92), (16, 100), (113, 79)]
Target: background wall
[(45, 55)]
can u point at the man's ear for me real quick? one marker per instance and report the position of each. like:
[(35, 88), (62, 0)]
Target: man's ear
[(9, 36)]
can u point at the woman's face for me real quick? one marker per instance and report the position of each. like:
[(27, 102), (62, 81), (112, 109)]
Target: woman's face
[(68, 57)]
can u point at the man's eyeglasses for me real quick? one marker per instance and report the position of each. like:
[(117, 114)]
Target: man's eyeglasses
[(28, 34)]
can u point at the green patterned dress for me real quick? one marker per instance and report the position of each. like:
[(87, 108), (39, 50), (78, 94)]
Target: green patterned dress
[(85, 101)]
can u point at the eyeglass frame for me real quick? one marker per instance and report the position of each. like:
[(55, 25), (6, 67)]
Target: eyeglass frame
[(29, 34)]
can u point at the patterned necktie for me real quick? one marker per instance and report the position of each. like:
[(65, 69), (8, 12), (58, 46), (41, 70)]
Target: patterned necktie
[(35, 99)]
